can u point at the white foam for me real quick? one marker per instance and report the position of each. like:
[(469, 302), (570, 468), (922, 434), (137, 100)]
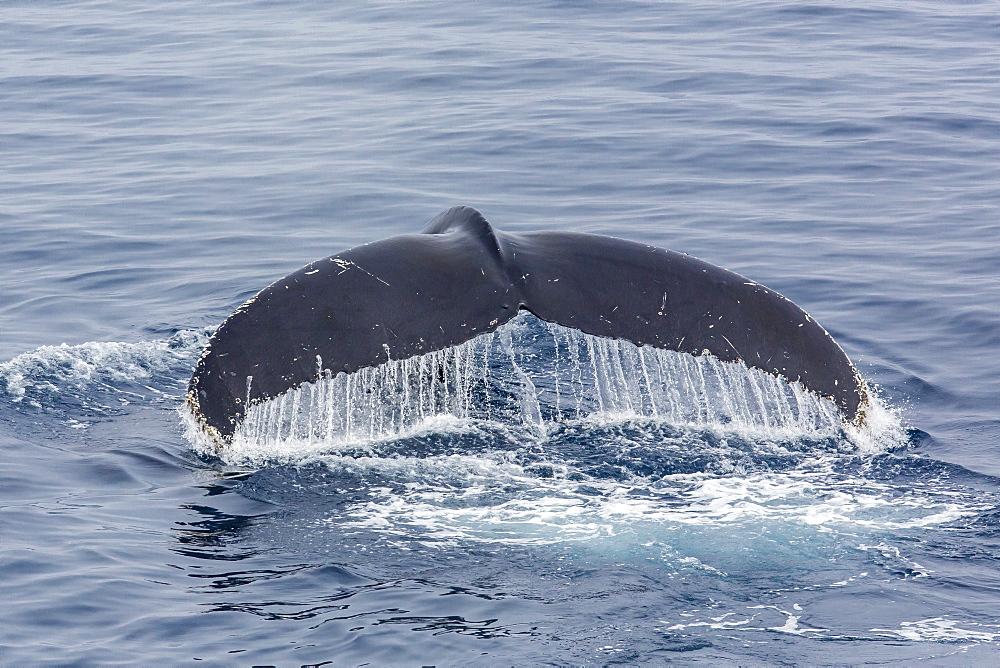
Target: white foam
[(486, 499), (53, 370), (754, 621), (763, 618), (245, 449), (940, 629), (882, 428)]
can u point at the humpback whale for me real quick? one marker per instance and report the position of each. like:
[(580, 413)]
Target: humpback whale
[(417, 293)]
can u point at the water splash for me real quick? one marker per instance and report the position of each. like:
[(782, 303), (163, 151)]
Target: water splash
[(98, 376), (541, 436), (531, 375)]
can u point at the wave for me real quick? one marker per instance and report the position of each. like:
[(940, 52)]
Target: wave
[(98, 377)]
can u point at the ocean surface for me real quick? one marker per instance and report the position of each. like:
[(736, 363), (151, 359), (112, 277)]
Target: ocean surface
[(161, 162)]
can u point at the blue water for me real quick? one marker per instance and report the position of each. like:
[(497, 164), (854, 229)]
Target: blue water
[(161, 162)]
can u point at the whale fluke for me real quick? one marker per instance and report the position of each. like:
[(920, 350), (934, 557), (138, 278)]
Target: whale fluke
[(417, 293)]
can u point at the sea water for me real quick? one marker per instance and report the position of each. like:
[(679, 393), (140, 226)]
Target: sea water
[(536, 495)]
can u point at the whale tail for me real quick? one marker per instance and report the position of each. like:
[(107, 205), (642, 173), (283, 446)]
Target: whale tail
[(417, 293)]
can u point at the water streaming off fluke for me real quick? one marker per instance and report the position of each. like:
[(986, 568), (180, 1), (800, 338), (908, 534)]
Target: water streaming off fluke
[(530, 374)]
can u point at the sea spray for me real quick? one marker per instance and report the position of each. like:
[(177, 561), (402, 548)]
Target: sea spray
[(98, 376)]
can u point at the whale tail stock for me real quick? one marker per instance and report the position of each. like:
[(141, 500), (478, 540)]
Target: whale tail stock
[(417, 293)]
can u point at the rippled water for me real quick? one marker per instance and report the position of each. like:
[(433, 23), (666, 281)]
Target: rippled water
[(161, 162)]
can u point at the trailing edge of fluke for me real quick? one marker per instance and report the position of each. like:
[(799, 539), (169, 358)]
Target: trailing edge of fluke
[(416, 293)]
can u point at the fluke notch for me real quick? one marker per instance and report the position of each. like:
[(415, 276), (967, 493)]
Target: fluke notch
[(416, 293)]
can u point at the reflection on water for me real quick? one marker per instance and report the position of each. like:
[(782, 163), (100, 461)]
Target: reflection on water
[(217, 536), (328, 593)]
